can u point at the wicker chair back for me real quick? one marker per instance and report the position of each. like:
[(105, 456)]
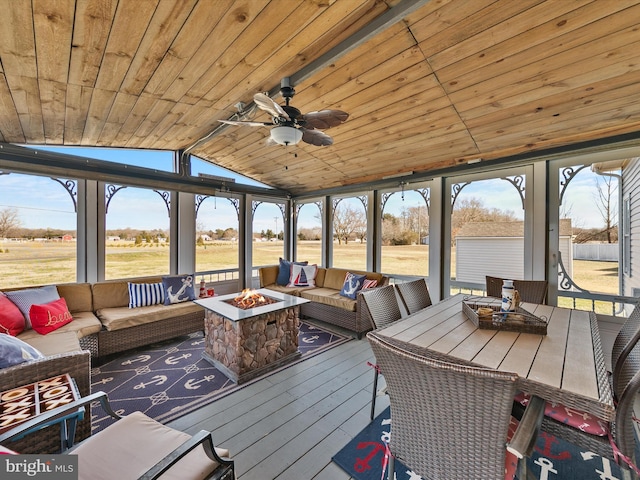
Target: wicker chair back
[(532, 291), (382, 305), (448, 420), (414, 295), (625, 341)]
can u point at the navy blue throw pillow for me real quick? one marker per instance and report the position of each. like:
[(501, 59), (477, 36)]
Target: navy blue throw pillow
[(284, 271), (178, 288), (352, 285)]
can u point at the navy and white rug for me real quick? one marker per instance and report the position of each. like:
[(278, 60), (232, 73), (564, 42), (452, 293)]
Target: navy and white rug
[(553, 458), (170, 379)]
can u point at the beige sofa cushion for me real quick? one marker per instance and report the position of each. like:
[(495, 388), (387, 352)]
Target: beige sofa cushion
[(77, 295), (53, 343), (288, 290), (320, 276), (329, 296), (334, 277), (83, 324), (112, 294), (132, 445), (117, 318), (268, 275)]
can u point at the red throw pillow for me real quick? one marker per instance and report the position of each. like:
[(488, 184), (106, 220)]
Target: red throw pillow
[(11, 318), (50, 316)]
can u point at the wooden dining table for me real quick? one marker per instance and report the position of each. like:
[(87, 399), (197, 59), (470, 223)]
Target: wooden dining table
[(565, 366)]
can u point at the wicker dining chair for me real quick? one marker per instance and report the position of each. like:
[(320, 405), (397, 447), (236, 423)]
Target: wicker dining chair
[(414, 295), (450, 420), (532, 291), (625, 341), (621, 430), (381, 305), (136, 446)]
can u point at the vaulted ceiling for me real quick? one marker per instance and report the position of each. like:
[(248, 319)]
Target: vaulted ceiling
[(428, 84)]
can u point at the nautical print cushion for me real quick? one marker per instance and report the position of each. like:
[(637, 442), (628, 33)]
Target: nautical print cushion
[(570, 416), (179, 288), (23, 299), (303, 275), (144, 294), (11, 318), (50, 316), (284, 271), (14, 351), (352, 285), (369, 284)]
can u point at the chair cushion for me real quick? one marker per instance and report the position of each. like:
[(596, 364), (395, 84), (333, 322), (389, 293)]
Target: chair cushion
[(570, 416), (132, 445)]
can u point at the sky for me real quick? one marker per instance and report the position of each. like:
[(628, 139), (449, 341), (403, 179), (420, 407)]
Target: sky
[(145, 209)]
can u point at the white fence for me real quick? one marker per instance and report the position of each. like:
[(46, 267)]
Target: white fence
[(605, 252)]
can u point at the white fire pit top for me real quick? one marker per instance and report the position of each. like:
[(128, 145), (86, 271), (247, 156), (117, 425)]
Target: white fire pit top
[(219, 305)]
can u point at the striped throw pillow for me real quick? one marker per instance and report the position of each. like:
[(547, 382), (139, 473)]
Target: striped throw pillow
[(144, 294)]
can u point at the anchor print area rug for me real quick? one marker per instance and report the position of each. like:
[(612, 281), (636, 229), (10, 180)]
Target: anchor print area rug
[(170, 379), (553, 458)]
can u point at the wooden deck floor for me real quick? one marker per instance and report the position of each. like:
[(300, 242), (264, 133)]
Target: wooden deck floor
[(290, 424)]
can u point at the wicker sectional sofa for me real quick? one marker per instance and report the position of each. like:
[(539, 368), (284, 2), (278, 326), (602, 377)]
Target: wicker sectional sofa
[(326, 303), (102, 324)]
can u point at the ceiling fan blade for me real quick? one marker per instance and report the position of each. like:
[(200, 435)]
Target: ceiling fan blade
[(266, 103), (325, 118), (246, 124), (314, 137)]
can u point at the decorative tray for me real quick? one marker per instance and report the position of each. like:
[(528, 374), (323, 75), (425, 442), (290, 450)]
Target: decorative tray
[(487, 315)]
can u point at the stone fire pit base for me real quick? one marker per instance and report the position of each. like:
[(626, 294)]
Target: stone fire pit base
[(244, 349)]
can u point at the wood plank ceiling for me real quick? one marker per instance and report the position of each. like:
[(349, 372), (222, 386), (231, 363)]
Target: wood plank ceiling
[(447, 82)]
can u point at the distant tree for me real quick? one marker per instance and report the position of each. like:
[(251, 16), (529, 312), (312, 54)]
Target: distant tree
[(606, 191), (472, 209), (314, 233), (9, 221), (346, 221)]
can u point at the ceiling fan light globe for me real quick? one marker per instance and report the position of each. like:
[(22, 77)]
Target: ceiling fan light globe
[(286, 135)]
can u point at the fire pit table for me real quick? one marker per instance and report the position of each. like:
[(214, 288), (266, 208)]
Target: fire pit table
[(250, 333)]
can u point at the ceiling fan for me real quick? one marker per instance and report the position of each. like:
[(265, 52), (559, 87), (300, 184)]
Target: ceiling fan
[(290, 125)]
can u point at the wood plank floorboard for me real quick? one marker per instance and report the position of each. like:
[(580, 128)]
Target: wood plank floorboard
[(288, 425)]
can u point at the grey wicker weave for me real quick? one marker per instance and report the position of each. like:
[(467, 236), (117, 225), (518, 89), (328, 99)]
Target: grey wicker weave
[(114, 341), (625, 341), (381, 306), (449, 421), (532, 291), (414, 295)]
